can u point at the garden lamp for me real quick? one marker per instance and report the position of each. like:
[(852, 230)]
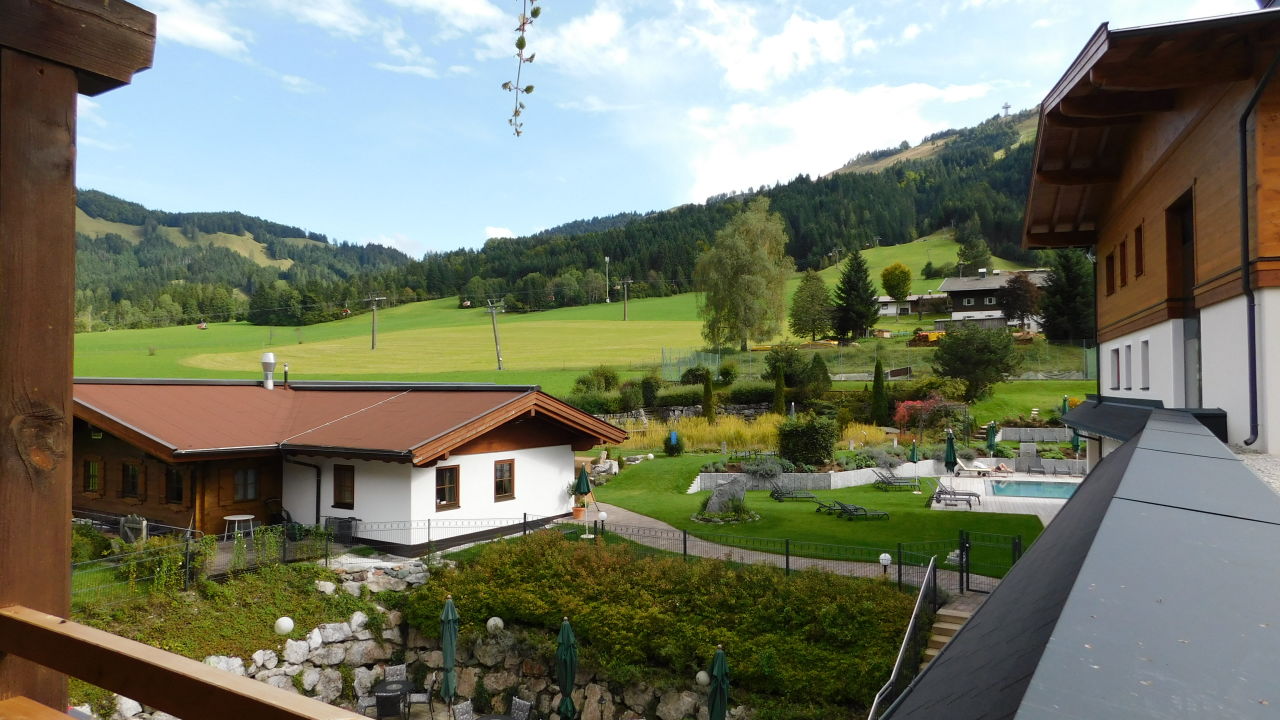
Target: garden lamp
[(885, 560)]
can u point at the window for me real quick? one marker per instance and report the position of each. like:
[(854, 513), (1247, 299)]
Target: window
[(1138, 259), (91, 476), (1115, 368), (967, 301), (504, 480), (447, 488), (344, 486), (1111, 273), (1128, 367), (989, 300), (1144, 364), (172, 485), (130, 479), (246, 484), (1124, 263)]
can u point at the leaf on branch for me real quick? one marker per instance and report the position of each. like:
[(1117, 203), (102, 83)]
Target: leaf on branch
[(528, 89), (535, 12), (520, 43), (531, 57), (507, 85)]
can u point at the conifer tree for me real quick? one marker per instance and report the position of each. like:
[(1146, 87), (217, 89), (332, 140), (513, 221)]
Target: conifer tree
[(856, 307), (879, 397), (811, 307)]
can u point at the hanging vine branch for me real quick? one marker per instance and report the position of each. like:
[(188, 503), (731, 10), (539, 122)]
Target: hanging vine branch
[(531, 11)]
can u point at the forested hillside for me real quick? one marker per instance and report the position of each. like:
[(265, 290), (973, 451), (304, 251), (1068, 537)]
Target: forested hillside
[(976, 180)]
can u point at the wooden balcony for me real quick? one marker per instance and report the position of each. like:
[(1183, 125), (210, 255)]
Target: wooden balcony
[(177, 685)]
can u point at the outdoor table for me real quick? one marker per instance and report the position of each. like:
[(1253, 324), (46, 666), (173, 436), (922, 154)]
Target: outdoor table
[(397, 688), (233, 523)]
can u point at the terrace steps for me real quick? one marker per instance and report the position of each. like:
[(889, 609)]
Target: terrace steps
[(947, 623)]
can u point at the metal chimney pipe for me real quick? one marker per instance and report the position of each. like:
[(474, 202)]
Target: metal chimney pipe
[(268, 370)]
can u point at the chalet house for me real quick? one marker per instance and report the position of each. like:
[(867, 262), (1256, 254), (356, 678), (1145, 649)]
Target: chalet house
[(193, 452), (912, 305), (976, 298), (1159, 152)]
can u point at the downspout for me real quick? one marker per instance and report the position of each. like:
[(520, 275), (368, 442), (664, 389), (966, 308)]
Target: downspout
[(1246, 282), (317, 469)]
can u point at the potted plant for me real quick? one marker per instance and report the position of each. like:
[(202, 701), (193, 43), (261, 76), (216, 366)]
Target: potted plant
[(579, 507)]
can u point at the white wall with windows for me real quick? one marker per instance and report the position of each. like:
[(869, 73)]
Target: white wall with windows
[(1147, 364), (541, 479), (380, 490)]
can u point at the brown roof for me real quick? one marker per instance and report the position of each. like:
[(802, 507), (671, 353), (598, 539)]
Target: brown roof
[(190, 420), (1120, 78)]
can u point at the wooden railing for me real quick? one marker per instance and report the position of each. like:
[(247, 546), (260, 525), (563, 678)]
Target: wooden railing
[(156, 678)]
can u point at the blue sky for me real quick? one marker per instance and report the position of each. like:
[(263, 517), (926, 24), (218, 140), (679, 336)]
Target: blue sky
[(384, 120)]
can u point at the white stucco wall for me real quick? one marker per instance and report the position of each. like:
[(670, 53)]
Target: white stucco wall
[(1165, 364), (382, 490), (989, 312), (1225, 364), (1268, 382)]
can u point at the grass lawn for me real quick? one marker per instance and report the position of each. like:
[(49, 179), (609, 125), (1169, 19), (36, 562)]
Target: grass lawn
[(1017, 398), (657, 489)]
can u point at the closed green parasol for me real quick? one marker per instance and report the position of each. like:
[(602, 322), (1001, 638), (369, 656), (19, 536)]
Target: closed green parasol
[(583, 485), (914, 455), (449, 648), (1065, 406), (991, 438), (566, 669), (949, 457), (718, 700)]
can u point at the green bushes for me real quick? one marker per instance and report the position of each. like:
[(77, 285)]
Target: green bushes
[(807, 439), (680, 396), (810, 644), (87, 543), (673, 449), (749, 393)]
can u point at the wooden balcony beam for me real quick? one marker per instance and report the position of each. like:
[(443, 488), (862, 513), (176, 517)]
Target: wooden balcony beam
[(1078, 176), (1061, 239), (1117, 104), (104, 42), (180, 686)]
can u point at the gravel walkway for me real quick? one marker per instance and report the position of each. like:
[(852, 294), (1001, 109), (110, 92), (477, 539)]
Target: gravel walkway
[(1266, 467)]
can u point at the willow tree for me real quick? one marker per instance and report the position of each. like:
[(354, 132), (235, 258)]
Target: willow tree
[(743, 278)]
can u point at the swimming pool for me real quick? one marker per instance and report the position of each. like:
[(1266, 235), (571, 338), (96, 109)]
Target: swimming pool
[(1033, 488)]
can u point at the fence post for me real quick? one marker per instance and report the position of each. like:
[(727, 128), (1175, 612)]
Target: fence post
[(524, 524), (284, 544), (964, 560), (788, 556), (326, 546), (186, 565), (685, 542), (899, 566), (1017, 548)]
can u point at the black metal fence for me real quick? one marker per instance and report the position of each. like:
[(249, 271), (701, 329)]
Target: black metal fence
[(913, 642), (422, 537)]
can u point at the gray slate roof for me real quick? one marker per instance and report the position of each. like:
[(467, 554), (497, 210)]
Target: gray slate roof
[(1117, 418), (990, 282), (1152, 595)]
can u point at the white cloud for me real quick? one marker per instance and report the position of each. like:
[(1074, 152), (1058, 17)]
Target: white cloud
[(87, 111), (399, 241), (462, 15), (754, 61), (299, 85), (491, 231), (92, 142), (340, 17), (911, 32), (748, 145), (593, 104), (590, 44), (201, 26), (459, 70), (419, 70)]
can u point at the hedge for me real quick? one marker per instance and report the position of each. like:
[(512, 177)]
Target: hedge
[(807, 439), (681, 396), (749, 393)]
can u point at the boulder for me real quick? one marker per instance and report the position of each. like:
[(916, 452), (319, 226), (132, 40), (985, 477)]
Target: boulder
[(291, 669), (499, 682), (723, 497), (382, 583), (335, 632), (593, 708), (365, 678), (328, 655), (677, 705), (310, 677), (325, 587), (366, 652), (284, 682), (162, 715), (126, 708), (489, 653), (637, 696), (467, 678), (330, 685), (352, 588), (313, 638), (416, 579), (266, 658), (233, 665), (296, 651), (358, 621)]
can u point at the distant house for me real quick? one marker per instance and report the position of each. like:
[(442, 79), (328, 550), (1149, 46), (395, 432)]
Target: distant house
[(1151, 156), (185, 452), (912, 305), (977, 297)]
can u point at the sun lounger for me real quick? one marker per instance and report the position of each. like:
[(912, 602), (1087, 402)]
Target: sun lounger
[(857, 512), (827, 507), (780, 493), (886, 480), (951, 496), (977, 468)]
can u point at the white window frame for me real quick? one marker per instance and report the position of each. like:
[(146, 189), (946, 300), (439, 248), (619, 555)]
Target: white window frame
[(1115, 368), (967, 301), (1128, 366), (1144, 364), (989, 300)]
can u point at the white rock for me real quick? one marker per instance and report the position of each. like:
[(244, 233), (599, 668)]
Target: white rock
[(161, 715), (352, 588), (416, 578), (363, 635), (314, 640), (381, 583), (366, 652), (330, 685), (126, 708), (335, 632), (233, 665), (281, 681), (358, 620), (392, 635), (291, 669), (328, 654), (296, 651), (325, 587), (310, 677), (365, 678)]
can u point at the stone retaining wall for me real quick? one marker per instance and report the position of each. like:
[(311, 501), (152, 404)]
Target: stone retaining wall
[(1053, 434), (337, 661), (812, 481)]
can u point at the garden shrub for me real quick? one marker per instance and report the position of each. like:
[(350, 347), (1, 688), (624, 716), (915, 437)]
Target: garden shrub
[(649, 387), (597, 402), (749, 393), (883, 459), (682, 396), (727, 374), (694, 375), (768, 467), (858, 460), (87, 543), (601, 378), (933, 385), (808, 439), (714, 467), (811, 644), (966, 453), (1053, 454), (629, 396), (785, 358), (1004, 451)]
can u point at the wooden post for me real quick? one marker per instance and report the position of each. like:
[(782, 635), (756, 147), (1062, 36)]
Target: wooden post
[(49, 51)]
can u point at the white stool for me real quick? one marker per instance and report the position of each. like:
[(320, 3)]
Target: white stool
[(233, 523)]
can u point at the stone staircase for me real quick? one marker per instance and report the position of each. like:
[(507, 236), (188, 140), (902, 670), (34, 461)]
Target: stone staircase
[(947, 623)]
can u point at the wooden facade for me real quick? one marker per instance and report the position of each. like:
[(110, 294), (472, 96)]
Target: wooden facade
[(115, 477)]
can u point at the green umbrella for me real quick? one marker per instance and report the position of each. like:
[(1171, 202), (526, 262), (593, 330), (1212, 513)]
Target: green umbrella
[(949, 457), (718, 701), (991, 438), (1075, 441), (583, 485), (1064, 405), (566, 669), (449, 647), (913, 456)]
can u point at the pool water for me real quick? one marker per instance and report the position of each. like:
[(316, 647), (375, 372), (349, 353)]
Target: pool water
[(1033, 488)]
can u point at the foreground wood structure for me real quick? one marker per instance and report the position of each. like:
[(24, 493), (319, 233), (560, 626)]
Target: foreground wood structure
[(50, 51)]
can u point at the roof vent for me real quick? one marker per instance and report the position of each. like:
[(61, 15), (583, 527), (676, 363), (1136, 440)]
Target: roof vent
[(268, 370)]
